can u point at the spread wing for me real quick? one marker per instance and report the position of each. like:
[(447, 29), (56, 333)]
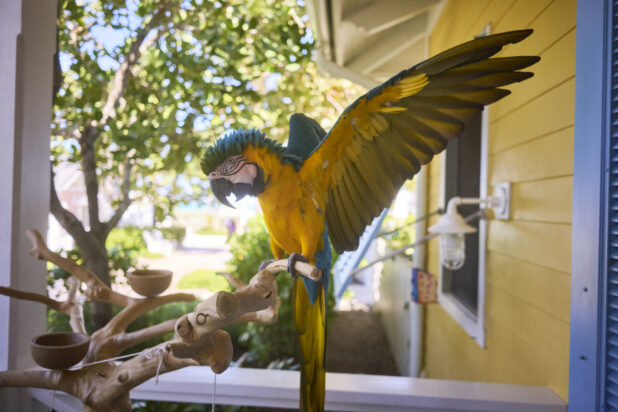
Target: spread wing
[(384, 137)]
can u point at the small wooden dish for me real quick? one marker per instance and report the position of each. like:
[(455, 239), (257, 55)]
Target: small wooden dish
[(149, 282), (59, 350)]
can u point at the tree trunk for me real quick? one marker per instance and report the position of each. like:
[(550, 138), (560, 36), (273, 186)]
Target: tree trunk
[(95, 259)]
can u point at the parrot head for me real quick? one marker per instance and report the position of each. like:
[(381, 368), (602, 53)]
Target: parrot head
[(236, 175), (229, 171)]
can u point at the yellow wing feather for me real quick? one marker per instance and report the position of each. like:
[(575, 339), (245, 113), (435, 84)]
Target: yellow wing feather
[(413, 114)]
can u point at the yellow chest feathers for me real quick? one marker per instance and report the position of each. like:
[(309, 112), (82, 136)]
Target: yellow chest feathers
[(293, 209)]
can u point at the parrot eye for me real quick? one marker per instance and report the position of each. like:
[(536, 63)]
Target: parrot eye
[(231, 165)]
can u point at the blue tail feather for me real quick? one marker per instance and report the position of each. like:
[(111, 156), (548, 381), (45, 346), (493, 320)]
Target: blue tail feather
[(323, 260)]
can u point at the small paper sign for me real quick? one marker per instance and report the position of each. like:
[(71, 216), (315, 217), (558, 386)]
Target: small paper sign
[(424, 287)]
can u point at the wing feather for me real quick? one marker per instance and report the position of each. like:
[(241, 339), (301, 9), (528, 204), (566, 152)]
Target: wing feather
[(411, 144), (371, 202), (342, 216), (481, 83), (351, 209), (358, 201), (391, 164), (332, 222), (463, 114), (403, 155), (372, 182), (483, 97), (384, 137), (418, 134), (440, 102), (381, 179)]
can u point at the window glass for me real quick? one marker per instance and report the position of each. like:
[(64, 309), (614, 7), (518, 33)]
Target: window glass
[(463, 171)]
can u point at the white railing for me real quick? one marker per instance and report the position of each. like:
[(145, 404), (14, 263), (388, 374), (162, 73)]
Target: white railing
[(344, 392)]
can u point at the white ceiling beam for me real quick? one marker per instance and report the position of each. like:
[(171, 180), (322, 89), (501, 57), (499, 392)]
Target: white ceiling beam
[(389, 45), (406, 59), (382, 15)]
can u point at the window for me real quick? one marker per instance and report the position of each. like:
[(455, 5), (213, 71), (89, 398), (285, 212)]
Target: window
[(464, 174), (463, 168)]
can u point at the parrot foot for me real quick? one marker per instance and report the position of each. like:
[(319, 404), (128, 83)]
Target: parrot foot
[(264, 264), (295, 257)]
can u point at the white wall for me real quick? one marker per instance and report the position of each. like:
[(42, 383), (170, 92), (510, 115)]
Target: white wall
[(399, 315), (27, 44)]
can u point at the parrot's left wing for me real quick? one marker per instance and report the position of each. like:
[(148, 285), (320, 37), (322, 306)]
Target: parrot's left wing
[(384, 137)]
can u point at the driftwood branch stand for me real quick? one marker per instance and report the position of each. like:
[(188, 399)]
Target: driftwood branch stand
[(199, 339)]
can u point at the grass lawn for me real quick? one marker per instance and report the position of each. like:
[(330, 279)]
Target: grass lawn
[(211, 231), (204, 279), (145, 253)]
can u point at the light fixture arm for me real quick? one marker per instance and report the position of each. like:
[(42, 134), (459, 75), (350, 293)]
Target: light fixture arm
[(493, 202)]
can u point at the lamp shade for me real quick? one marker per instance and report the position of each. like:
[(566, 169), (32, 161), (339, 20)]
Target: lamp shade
[(451, 223), (452, 229)]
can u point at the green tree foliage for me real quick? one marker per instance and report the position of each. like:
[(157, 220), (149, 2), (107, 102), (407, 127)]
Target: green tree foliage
[(146, 84)]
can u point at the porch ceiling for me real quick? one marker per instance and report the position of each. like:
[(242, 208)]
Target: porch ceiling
[(367, 41)]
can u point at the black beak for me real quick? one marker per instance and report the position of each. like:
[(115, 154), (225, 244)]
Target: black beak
[(242, 189), (222, 188)]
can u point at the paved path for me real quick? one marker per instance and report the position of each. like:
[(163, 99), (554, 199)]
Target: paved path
[(356, 343)]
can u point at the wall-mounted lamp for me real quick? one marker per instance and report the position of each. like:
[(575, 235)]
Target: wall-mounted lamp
[(452, 227)]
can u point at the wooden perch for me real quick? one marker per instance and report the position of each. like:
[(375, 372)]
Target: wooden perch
[(96, 289), (105, 385), (111, 340), (70, 307), (232, 280)]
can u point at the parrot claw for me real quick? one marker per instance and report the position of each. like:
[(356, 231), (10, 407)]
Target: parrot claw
[(264, 264), (295, 257)]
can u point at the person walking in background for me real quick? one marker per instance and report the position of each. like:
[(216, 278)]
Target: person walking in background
[(231, 228)]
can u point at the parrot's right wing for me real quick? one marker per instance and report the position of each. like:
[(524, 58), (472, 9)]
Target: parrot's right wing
[(384, 137)]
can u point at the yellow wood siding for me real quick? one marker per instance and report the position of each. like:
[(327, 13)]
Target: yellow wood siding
[(529, 257)]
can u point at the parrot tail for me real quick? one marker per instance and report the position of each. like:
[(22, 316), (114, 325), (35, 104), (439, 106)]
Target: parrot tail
[(310, 322)]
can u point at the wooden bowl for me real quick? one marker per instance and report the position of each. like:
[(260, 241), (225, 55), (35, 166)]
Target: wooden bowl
[(59, 350), (149, 282)]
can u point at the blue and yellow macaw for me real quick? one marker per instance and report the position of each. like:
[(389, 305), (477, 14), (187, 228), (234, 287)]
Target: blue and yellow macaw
[(324, 188)]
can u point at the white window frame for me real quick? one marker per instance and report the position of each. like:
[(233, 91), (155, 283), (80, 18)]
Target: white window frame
[(473, 324)]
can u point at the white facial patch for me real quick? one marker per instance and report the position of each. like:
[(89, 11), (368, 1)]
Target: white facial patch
[(236, 169)]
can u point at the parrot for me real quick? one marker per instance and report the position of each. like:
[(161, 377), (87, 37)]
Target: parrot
[(325, 188)]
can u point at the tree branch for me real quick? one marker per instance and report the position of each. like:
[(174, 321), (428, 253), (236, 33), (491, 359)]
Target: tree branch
[(136, 309), (46, 379), (199, 339), (96, 289), (138, 47), (35, 297), (123, 341), (104, 341), (125, 202), (225, 308), (76, 307), (67, 220), (92, 131), (235, 282), (89, 168), (70, 307)]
